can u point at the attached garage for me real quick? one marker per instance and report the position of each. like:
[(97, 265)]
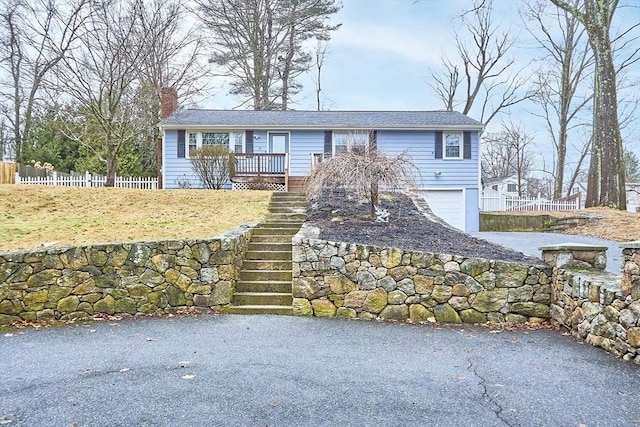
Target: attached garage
[(448, 205)]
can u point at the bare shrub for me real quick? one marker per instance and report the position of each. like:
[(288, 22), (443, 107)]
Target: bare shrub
[(213, 164), (362, 172)]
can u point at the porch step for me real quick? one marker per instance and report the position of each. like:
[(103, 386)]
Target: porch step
[(267, 246), (283, 223), (278, 231), (268, 255), (286, 210), (271, 238), (266, 275), (268, 265), (261, 309), (263, 286), (262, 298), (300, 217)]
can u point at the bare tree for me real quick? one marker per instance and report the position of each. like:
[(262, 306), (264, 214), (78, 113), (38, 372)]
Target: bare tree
[(567, 63), (34, 37), (362, 170), (320, 55), (482, 76), (213, 164), (100, 75), (606, 186), (507, 152), (258, 43), (174, 58)]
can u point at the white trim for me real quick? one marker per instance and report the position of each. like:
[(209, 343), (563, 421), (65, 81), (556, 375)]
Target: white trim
[(288, 150), (460, 146), (199, 131)]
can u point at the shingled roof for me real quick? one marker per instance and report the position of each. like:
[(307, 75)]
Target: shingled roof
[(251, 119)]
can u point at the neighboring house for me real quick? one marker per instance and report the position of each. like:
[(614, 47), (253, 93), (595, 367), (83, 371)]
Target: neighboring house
[(579, 188), (507, 186), (283, 146), (633, 196)]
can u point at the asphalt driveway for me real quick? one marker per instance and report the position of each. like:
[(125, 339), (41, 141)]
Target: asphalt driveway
[(286, 371), (528, 244)]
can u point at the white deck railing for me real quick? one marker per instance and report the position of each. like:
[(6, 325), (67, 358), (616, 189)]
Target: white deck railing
[(89, 180)]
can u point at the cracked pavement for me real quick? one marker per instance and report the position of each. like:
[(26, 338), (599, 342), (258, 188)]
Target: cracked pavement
[(287, 371)]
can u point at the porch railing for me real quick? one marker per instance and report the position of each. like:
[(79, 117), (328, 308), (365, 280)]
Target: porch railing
[(260, 164)]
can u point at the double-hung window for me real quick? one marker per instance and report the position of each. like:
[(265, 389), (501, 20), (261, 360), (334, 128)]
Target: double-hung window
[(193, 142), (234, 141), (452, 145), (343, 141), (215, 138), (238, 145)]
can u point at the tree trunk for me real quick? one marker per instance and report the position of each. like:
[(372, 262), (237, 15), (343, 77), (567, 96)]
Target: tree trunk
[(112, 165), (607, 164)]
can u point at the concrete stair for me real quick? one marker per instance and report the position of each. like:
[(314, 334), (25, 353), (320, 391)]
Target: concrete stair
[(264, 286)]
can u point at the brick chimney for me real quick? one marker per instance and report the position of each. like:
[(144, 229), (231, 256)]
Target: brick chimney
[(168, 105), (168, 102)]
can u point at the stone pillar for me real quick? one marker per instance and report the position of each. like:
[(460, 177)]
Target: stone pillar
[(631, 269), (575, 255)]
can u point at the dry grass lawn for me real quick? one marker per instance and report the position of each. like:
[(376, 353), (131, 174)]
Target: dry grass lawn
[(36, 216), (607, 223)]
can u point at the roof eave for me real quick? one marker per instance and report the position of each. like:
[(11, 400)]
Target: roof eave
[(478, 127)]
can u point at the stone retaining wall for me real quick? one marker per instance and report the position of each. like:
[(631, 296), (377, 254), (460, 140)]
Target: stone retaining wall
[(349, 280), (121, 279), (599, 307), (514, 222)]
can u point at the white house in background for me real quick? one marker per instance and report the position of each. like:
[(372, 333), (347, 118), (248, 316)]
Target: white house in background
[(632, 188), (633, 196), (507, 186), (581, 189)]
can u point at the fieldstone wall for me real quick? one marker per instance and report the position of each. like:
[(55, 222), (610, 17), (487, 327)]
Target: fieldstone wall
[(122, 279), (349, 280), (601, 308)]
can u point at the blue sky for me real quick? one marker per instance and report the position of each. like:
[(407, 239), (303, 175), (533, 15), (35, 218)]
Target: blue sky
[(379, 59)]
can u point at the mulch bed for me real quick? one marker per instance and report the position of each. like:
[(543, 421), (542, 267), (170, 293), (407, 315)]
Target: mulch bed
[(344, 219)]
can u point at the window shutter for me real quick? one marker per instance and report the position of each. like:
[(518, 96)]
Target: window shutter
[(181, 144), (248, 141), (466, 138), (328, 142), (438, 144), (373, 140)]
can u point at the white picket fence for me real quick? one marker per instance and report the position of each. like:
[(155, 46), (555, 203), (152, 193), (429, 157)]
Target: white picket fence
[(89, 180), (504, 203)]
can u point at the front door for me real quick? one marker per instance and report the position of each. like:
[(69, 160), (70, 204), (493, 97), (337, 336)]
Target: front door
[(278, 144)]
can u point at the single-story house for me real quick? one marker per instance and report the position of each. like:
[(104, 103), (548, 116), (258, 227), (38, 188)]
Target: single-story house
[(507, 186), (284, 146)]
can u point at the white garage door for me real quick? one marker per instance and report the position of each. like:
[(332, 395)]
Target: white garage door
[(448, 205)]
